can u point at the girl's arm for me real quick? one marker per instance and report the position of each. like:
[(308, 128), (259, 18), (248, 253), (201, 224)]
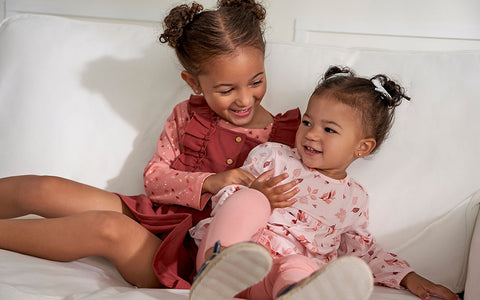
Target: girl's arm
[(424, 288), (389, 270), (169, 186)]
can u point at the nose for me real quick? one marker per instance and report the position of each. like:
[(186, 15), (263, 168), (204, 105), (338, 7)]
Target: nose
[(313, 134), (244, 98)]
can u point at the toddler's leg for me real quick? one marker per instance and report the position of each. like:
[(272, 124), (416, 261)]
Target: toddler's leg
[(113, 235), (298, 277), (242, 216), (50, 196), (285, 272)]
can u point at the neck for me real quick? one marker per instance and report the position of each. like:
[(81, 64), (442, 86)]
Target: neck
[(261, 119)]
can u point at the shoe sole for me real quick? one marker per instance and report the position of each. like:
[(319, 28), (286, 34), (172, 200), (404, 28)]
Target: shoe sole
[(233, 270), (347, 278)]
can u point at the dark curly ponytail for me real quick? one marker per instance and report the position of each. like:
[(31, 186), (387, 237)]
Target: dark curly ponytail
[(375, 98), (199, 35), (178, 18), (257, 9)]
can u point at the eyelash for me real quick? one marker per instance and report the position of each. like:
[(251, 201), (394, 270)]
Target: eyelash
[(257, 83), (330, 130), (327, 129), (226, 92), (254, 84)]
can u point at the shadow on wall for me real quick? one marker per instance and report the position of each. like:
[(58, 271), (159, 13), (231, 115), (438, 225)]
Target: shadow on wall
[(154, 88)]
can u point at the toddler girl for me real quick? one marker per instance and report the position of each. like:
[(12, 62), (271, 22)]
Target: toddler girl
[(323, 237), (205, 141)]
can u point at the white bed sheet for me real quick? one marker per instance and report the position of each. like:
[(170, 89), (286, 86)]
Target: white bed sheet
[(30, 278), (92, 278)]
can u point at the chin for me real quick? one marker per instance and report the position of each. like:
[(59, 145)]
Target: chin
[(240, 122)]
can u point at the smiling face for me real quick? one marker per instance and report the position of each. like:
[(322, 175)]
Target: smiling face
[(234, 85), (330, 136)]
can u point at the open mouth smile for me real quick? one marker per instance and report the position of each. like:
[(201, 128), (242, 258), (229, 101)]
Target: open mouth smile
[(242, 112), (310, 150)]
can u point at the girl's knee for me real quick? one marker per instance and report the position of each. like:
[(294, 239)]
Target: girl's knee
[(253, 199), (108, 225), (35, 184), (34, 188)]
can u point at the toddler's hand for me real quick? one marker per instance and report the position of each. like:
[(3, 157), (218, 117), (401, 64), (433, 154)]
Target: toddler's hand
[(423, 287), (216, 182), (278, 195)]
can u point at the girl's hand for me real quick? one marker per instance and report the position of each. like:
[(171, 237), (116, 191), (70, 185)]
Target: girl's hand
[(423, 287), (216, 182), (278, 195)]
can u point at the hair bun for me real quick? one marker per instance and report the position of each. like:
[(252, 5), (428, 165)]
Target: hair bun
[(337, 71), (175, 22), (394, 90), (257, 9)]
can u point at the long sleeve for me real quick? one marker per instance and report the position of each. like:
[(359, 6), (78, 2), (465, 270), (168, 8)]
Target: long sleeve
[(387, 268), (165, 185)]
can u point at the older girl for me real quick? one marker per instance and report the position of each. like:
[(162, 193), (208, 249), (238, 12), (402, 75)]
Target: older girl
[(205, 141)]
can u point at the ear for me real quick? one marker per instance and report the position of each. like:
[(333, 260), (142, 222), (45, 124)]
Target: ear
[(191, 81), (365, 147)]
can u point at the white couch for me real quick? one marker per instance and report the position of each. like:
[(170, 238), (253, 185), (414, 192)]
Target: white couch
[(87, 100)]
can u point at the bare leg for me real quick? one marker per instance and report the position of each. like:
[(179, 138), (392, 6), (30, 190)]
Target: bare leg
[(110, 234), (50, 196), (83, 221)]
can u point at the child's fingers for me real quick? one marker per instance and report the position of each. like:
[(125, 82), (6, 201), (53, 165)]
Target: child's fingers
[(282, 204), (285, 200), (442, 292), (247, 177), (420, 292), (265, 175), (287, 186)]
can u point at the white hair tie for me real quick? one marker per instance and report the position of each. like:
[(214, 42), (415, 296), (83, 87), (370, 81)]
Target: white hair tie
[(379, 88)]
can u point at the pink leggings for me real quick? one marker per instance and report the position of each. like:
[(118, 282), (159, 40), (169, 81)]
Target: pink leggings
[(241, 218)]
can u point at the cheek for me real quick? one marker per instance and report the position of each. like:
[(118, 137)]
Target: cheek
[(261, 92), (215, 102), (298, 138)]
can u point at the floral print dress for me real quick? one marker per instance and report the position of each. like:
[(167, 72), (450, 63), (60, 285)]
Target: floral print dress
[(329, 218)]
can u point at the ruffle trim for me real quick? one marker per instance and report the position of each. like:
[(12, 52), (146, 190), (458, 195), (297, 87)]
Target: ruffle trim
[(285, 127)]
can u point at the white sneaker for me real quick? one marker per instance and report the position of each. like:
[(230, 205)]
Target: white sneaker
[(346, 278), (231, 271)]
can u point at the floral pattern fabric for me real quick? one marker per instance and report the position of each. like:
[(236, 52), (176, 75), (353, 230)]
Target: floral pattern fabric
[(164, 185), (329, 218)]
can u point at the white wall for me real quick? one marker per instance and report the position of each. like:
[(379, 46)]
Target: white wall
[(460, 15), (410, 13), (2, 9)]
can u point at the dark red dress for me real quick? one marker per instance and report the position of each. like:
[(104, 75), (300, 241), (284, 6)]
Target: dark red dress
[(206, 148)]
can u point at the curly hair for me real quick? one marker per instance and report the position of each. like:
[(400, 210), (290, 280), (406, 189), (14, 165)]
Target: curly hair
[(198, 35), (374, 98)]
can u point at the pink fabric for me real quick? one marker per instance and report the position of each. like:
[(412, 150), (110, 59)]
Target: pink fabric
[(285, 271), (165, 185), (230, 225), (330, 217), (176, 202)]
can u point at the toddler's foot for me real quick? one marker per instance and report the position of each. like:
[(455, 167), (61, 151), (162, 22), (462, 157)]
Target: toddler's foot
[(231, 271), (347, 278)]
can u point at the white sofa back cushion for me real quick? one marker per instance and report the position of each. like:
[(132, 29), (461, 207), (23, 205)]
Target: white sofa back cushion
[(87, 101)]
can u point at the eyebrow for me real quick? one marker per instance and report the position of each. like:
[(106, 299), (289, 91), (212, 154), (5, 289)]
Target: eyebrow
[(229, 84), (326, 121)]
